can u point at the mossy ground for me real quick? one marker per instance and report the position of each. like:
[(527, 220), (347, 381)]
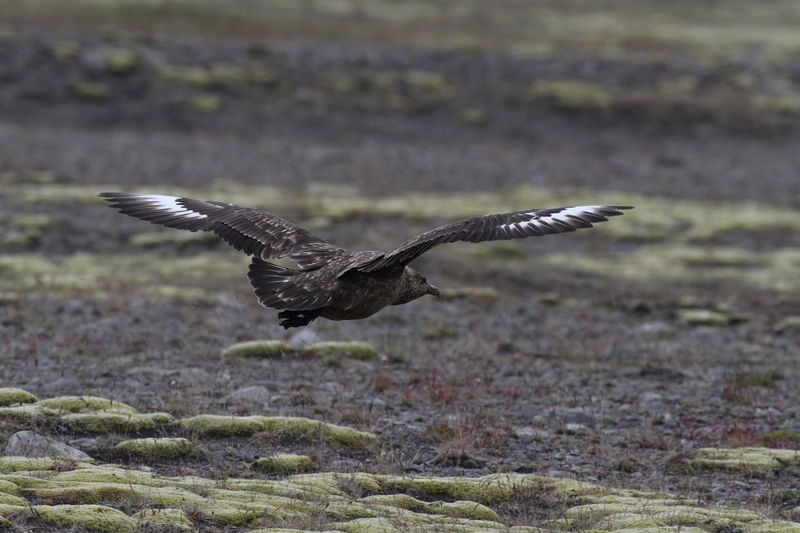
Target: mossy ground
[(69, 497), (569, 364)]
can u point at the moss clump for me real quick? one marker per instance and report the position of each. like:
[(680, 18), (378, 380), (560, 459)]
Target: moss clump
[(785, 104), (10, 499), (7, 487), (205, 103), (85, 404), (790, 324), (782, 436), (475, 117), (745, 459), (13, 396), (197, 76), (458, 509), (166, 447), (65, 50), (121, 61), (281, 425), (223, 425), (112, 422), (269, 349), (572, 94), (477, 293), (88, 90), (336, 349), (17, 464), (91, 517), (164, 520), (330, 433), (283, 463), (85, 493), (703, 317)]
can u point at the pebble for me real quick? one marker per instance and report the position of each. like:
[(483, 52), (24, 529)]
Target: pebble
[(31, 444), (255, 394), (576, 415), (85, 444), (303, 338), (62, 386)]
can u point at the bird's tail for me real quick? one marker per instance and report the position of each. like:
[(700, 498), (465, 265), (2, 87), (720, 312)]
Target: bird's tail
[(267, 280)]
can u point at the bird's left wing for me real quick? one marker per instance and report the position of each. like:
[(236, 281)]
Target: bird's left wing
[(502, 226), (253, 231)]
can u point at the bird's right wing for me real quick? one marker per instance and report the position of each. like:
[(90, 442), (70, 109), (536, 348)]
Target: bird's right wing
[(252, 231), (501, 226)]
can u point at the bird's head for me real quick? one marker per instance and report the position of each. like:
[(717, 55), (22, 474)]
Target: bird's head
[(413, 286)]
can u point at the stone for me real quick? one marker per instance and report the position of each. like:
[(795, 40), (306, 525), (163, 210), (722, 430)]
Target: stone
[(255, 394), (31, 444), (62, 386), (576, 415), (303, 338), (85, 444)]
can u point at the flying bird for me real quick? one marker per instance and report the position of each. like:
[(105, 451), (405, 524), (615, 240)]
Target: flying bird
[(330, 281)]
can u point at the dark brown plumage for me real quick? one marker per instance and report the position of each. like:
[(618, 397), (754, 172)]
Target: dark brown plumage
[(333, 282)]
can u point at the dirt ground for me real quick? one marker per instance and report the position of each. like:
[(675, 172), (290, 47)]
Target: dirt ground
[(564, 363)]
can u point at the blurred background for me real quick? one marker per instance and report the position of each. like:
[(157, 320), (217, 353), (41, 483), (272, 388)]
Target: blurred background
[(670, 328)]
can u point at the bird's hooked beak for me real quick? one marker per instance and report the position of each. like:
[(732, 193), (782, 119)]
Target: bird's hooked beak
[(432, 289)]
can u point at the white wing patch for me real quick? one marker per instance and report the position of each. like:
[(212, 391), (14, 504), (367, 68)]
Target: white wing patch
[(170, 204), (562, 216)]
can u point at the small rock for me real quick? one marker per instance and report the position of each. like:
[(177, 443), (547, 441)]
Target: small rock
[(85, 444), (656, 326), (790, 324), (255, 394), (62, 386), (576, 415), (31, 444), (304, 338), (528, 432), (704, 317), (573, 429)]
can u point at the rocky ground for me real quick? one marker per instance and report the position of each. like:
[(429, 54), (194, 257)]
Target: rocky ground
[(639, 375)]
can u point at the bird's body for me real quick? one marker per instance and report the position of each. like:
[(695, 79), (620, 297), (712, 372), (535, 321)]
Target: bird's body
[(332, 282)]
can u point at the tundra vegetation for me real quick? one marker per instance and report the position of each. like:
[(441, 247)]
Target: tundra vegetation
[(641, 376)]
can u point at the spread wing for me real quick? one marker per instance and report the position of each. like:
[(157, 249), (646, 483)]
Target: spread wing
[(503, 226), (252, 231)]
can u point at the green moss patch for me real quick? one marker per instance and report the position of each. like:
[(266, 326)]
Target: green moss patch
[(164, 519), (267, 349), (280, 425), (746, 459), (85, 404), (338, 349), (470, 293), (72, 493), (92, 517), (12, 396), (165, 447), (790, 324), (283, 463), (122, 61), (111, 422)]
